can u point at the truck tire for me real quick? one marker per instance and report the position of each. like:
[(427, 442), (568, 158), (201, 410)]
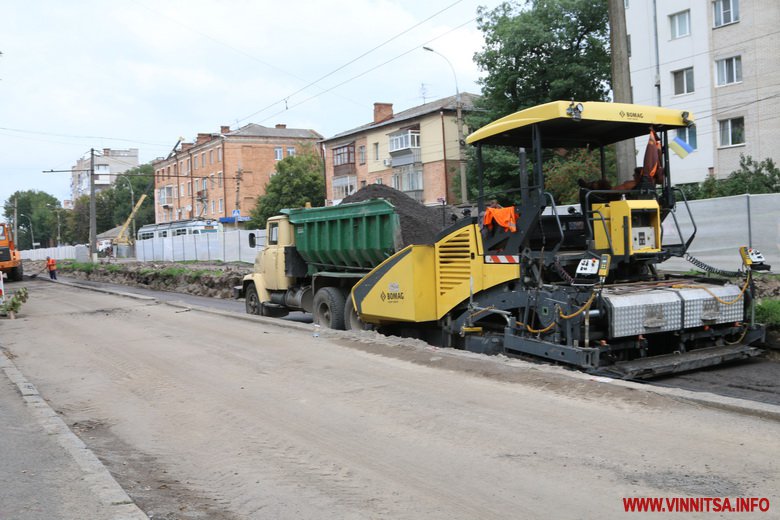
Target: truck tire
[(351, 319), (252, 303), (16, 274), (329, 308)]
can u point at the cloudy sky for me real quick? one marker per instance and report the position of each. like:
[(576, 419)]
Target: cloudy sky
[(141, 73)]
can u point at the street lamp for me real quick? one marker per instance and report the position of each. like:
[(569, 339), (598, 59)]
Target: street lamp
[(459, 115), (132, 202), (32, 234)]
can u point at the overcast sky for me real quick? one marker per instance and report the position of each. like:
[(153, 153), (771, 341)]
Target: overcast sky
[(141, 73)]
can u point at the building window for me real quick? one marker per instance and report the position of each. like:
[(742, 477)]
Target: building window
[(732, 131), (219, 179), (395, 181), (729, 70), (220, 205), (404, 140), (212, 181), (211, 156), (683, 81), (188, 167), (278, 153), (688, 135), (344, 186), (628, 44), (290, 151), (344, 155), (203, 160), (376, 151), (212, 206), (219, 154), (362, 154), (378, 180), (205, 184), (726, 12), (189, 188), (411, 178), (681, 24), (181, 190)]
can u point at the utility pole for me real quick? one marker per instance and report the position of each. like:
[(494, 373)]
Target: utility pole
[(625, 151), (239, 174), (16, 226), (92, 209)]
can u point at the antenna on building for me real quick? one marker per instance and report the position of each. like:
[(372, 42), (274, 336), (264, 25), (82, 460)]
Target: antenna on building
[(423, 92)]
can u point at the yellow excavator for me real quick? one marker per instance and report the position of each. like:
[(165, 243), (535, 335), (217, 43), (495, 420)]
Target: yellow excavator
[(580, 288)]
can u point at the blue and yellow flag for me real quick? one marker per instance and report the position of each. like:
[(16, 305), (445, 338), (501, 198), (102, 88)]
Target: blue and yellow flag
[(680, 147)]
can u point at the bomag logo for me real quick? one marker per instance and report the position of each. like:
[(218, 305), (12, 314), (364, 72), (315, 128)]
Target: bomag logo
[(631, 115), (391, 297), (393, 294)]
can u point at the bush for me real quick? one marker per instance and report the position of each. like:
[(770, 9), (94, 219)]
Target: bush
[(768, 313)]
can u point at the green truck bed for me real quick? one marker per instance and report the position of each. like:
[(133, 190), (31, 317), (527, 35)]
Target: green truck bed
[(347, 237)]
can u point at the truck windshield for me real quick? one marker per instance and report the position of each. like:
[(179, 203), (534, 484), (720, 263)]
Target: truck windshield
[(2, 232)]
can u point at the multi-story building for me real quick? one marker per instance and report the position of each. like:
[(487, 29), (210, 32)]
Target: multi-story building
[(223, 172), (716, 58), (415, 151), (108, 165)]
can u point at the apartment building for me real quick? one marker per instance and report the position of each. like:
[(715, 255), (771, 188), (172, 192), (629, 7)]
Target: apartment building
[(222, 172), (415, 151), (109, 164), (717, 59)]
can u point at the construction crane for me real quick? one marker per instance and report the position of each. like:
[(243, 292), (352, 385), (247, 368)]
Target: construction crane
[(122, 237)]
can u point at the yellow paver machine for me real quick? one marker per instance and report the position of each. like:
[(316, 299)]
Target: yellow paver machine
[(579, 287)]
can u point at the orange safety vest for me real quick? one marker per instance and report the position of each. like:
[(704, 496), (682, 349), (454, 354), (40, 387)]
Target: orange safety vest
[(51, 264), (504, 217)]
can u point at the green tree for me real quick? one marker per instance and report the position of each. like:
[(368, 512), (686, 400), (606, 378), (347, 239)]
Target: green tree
[(142, 180), (535, 52), (298, 180), (37, 209)]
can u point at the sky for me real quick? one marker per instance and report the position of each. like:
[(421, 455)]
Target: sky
[(141, 73)]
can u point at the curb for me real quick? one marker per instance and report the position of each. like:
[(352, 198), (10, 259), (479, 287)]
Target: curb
[(101, 483), (731, 404)]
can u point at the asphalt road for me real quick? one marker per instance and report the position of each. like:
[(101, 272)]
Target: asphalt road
[(755, 379), (199, 415)]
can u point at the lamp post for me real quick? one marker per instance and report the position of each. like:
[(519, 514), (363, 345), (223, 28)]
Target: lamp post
[(459, 117), (132, 203), (32, 233)]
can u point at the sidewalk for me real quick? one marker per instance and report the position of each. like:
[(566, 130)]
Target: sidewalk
[(46, 472)]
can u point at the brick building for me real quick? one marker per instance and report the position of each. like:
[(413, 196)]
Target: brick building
[(222, 172), (415, 151)]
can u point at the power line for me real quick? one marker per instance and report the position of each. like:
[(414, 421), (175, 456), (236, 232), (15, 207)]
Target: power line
[(286, 98), (71, 136), (413, 49)]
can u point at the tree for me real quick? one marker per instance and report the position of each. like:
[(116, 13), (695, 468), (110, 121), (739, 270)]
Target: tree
[(536, 52), (142, 180), (37, 209), (298, 180)]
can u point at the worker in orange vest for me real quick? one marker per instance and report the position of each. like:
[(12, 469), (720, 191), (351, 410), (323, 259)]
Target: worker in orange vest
[(51, 265)]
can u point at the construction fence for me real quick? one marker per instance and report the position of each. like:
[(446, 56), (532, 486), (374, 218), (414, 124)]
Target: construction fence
[(227, 246)]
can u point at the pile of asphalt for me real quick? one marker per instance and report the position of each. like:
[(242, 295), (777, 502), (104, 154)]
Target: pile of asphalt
[(419, 224)]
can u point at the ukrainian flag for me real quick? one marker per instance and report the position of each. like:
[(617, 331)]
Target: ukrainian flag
[(680, 147)]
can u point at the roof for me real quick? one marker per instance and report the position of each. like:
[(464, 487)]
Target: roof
[(255, 130), (598, 124), (448, 103)]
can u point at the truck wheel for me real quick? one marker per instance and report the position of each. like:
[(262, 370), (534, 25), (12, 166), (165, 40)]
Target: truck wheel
[(329, 308), (17, 273), (253, 305), (351, 319)]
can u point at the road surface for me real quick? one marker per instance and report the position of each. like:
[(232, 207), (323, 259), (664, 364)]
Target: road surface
[(206, 416)]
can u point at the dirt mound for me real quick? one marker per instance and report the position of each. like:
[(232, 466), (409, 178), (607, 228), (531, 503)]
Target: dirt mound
[(419, 224)]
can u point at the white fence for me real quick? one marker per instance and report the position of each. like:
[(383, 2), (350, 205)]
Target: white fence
[(58, 253), (723, 225), (227, 246)]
